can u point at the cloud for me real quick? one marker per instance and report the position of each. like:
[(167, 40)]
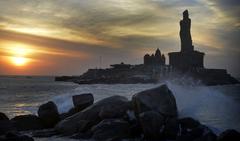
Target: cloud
[(120, 30)]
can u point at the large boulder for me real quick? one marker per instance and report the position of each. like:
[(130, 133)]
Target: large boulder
[(152, 124), (229, 135), (115, 111), (82, 101), (111, 129), (158, 99), (49, 115), (15, 136), (6, 126), (3, 116), (27, 122), (171, 128), (85, 119)]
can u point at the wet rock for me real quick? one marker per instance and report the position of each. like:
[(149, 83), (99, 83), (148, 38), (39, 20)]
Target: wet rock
[(15, 136), (82, 101), (188, 123), (89, 116), (193, 131), (49, 115), (158, 99), (210, 136), (229, 135), (44, 133), (85, 135), (115, 111), (6, 126), (3, 116), (27, 122), (152, 124), (111, 129), (171, 128)]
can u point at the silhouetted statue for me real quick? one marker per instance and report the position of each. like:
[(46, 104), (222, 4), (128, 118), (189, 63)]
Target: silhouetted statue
[(185, 33)]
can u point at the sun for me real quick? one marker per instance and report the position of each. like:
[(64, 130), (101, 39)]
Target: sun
[(18, 54), (19, 61)]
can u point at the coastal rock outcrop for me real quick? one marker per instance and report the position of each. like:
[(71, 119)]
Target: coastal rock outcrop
[(49, 115), (5, 124), (27, 122), (111, 129), (229, 135), (90, 116), (152, 124), (158, 99), (3, 116), (15, 136), (82, 101)]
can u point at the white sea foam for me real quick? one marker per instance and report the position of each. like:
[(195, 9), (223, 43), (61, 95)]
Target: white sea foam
[(207, 104)]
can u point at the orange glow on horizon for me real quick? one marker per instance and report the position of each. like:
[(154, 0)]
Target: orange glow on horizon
[(17, 54), (19, 61)]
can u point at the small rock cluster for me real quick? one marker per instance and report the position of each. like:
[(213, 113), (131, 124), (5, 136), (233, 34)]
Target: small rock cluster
[(150, 115)]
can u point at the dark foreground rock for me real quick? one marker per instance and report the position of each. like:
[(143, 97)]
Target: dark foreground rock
[(3, 116), (44, 133), (152, 124), (5, 124), (85, 119), (82, 101), (159, 99), (15, 136), (229, 135), (111, 129), (49, 115), (27, 122)]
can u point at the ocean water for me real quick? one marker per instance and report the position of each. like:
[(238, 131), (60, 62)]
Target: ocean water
[(216, 106)]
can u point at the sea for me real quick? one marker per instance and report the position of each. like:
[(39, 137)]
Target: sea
[(218, 107)]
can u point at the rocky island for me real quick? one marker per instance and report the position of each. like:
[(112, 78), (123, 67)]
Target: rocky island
[(187, 62)]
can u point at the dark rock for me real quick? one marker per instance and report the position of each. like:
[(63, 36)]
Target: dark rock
[(15, 136), (86, 135), (152, 124), (210, 136), (190, 134), (6, 126), (114, 111), (82, 101), (88, 117), (188, 123), (171, 128), (110, 129), (3, 116), (159, 99), (229, 135), (49, 115), (44, 133), (27, 122)]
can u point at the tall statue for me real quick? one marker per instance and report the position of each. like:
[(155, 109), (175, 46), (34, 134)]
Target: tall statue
[(185, 33)]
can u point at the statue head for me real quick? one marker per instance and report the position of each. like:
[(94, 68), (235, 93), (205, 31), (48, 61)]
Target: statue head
[(185, 14)]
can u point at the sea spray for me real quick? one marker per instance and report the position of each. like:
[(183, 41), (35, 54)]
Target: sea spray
[(207, 104)]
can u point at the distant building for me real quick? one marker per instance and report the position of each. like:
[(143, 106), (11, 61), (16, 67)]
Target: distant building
[(121, 66), (187, 58), (154, 60)]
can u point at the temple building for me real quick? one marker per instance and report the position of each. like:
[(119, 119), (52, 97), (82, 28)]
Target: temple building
[(156, 59), (187, 58)]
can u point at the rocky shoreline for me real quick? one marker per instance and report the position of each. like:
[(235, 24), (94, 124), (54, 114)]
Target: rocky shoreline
[(150, 115)]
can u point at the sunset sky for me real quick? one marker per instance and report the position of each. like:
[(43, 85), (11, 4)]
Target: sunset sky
[(67, 37)]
